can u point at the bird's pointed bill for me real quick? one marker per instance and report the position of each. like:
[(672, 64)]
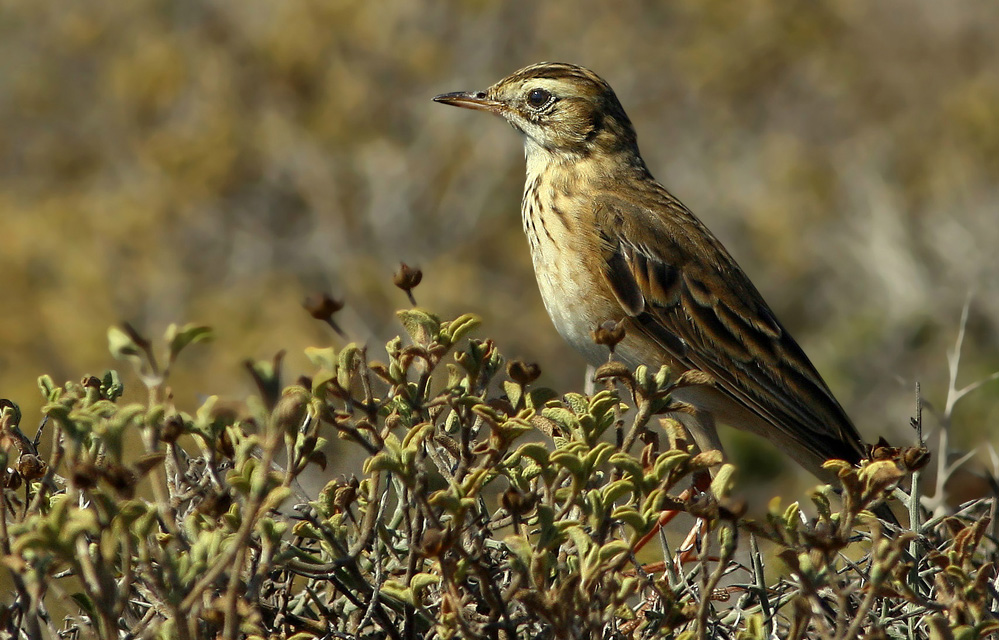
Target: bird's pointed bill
[(470, 100)]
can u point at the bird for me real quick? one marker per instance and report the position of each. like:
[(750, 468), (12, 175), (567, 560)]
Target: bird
[(609, 243)]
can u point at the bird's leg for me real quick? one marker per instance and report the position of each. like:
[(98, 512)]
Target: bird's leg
[(702, 482), (701, 428), (589, 385)]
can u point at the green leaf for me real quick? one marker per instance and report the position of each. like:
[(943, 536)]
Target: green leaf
[(321, 379), (578, 535), (613, 550), (83, 601), (421, 581), (307, 530), (346, 364), (791, 518), (521, 549), (536, 398), (632, 518), (616, 489), (178, 339), (754, 629), (422, 326), (568, 460), (446, 499), (121, 344), (397, 591), (514, 392), (453, 331), (382, 461), (111, 385), (562, 416), (629, 464), (322, 357), (667, 462), (724, 481), (578, 403), (662, 376), (415, 437), (598, 455), (48, 388)]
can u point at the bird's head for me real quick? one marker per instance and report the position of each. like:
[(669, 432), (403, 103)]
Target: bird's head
[(563, 109)]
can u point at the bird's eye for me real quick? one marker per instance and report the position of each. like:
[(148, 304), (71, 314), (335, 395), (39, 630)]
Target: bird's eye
[(538, 98)]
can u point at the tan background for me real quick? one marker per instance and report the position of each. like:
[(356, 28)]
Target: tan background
[(165, 161)]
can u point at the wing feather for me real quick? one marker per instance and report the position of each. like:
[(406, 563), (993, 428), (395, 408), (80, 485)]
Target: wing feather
[(685, 292)]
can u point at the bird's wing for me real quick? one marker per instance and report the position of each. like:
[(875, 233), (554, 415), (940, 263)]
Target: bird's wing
[(684, 291)]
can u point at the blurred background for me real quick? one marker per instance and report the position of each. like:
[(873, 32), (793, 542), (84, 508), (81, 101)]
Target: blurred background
[(215, 161)]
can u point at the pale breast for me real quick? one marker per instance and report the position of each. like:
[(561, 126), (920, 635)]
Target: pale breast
[(566, 265)]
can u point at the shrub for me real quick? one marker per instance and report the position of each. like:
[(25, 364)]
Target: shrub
[(486, 507)]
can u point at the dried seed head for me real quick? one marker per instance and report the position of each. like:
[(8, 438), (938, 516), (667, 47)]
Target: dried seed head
[(173, 428), (915, 458), (407, 278), (121, 479), (523, 373), (225, 445), (85, 475), (609, 334), (882, 450), (612, 370), (215, 504), (345, 495), (322, 306), (31, 467), (517, 503), (433, 543)]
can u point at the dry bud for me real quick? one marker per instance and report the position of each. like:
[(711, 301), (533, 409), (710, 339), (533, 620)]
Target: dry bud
[(322, 306), (612, 370), (173, 428), (215, 504), (407, 278), (31, 467), (517, 503), (609, 334), (523, 373), (433, 543), (225, 445), (345, 495), (121, 479), (915, 458), (882, 450), (85, 475)]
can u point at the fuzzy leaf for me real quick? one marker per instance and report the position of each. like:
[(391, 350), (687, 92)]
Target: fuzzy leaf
[(179, 338), (422, 326)]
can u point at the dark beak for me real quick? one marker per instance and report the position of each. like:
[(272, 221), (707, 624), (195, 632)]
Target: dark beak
[(471, 100)]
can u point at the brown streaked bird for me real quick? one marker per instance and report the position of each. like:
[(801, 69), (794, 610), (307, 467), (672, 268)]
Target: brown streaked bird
[(609, 243)]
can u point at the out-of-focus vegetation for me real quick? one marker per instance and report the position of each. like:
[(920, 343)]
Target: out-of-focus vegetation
[(165, 161)]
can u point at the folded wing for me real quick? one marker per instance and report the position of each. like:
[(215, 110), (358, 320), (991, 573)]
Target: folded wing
[(685, 292)]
